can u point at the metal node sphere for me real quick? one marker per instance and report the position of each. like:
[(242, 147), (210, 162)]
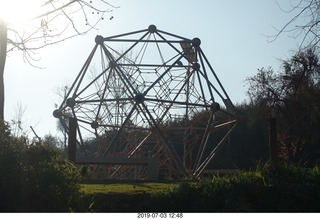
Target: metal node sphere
[(196, 66), (71, 102), (99, 39), (94, 124), (215, 107), (113, 64), (196, 42), (152, 28), (147, 96), (139, 98), (56, 113)]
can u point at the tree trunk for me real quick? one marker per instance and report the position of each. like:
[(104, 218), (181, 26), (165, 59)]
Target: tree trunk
[(273, 141), (3, 55)]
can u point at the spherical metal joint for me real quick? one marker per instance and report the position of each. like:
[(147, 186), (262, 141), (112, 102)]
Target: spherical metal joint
[(56, 113), (215, 107), (112, 64), (196, 66), (99, 39), (152, 28), (139, 98), (196, 42), (94, 124), (71, 102)]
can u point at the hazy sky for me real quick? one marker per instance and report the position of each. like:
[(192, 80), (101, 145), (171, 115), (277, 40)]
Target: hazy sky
[(233, 38)]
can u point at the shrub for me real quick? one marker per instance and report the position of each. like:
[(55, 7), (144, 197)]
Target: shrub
[(289, 188), (35, 178)]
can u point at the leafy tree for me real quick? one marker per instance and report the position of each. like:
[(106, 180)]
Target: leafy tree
[(249, 140), (293, 96), (52, 141), (35, 178), (53, 21)]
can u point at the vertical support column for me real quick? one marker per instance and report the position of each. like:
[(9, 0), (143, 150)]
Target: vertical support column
[(153, 169), (273, 140), (72, 141)]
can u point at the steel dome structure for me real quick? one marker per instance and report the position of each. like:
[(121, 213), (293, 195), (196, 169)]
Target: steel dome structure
[(147, 94)]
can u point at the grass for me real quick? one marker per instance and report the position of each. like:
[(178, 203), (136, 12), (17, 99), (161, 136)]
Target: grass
[(122, 197), (127, 188)]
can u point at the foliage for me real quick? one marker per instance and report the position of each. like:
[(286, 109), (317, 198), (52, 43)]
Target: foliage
[(52, 141), (293, 97), (35, 178), (287, 188), (290, 188), (249, 140)]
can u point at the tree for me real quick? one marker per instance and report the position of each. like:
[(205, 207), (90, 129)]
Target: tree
[(51, 141), (17, 128), (53, 21), (249, 140), (292, 96), (304, 24)]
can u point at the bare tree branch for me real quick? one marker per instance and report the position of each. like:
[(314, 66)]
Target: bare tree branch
[(56, 21), (304, 25), (285, 27), (44, 27)]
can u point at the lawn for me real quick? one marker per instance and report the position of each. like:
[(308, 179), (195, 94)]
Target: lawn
[(127, 188), (122, 197)]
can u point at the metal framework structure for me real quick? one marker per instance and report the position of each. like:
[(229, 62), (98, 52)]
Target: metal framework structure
[(148, 94)]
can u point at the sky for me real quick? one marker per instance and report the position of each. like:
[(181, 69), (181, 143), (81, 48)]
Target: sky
[(233, 37)]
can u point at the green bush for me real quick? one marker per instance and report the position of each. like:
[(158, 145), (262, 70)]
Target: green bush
[(289, 188), (35, 178)]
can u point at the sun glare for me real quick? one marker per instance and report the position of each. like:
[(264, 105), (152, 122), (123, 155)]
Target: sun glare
[(19, 11)]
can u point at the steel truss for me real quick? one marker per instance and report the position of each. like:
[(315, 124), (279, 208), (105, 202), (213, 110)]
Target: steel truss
[(142, 94)]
